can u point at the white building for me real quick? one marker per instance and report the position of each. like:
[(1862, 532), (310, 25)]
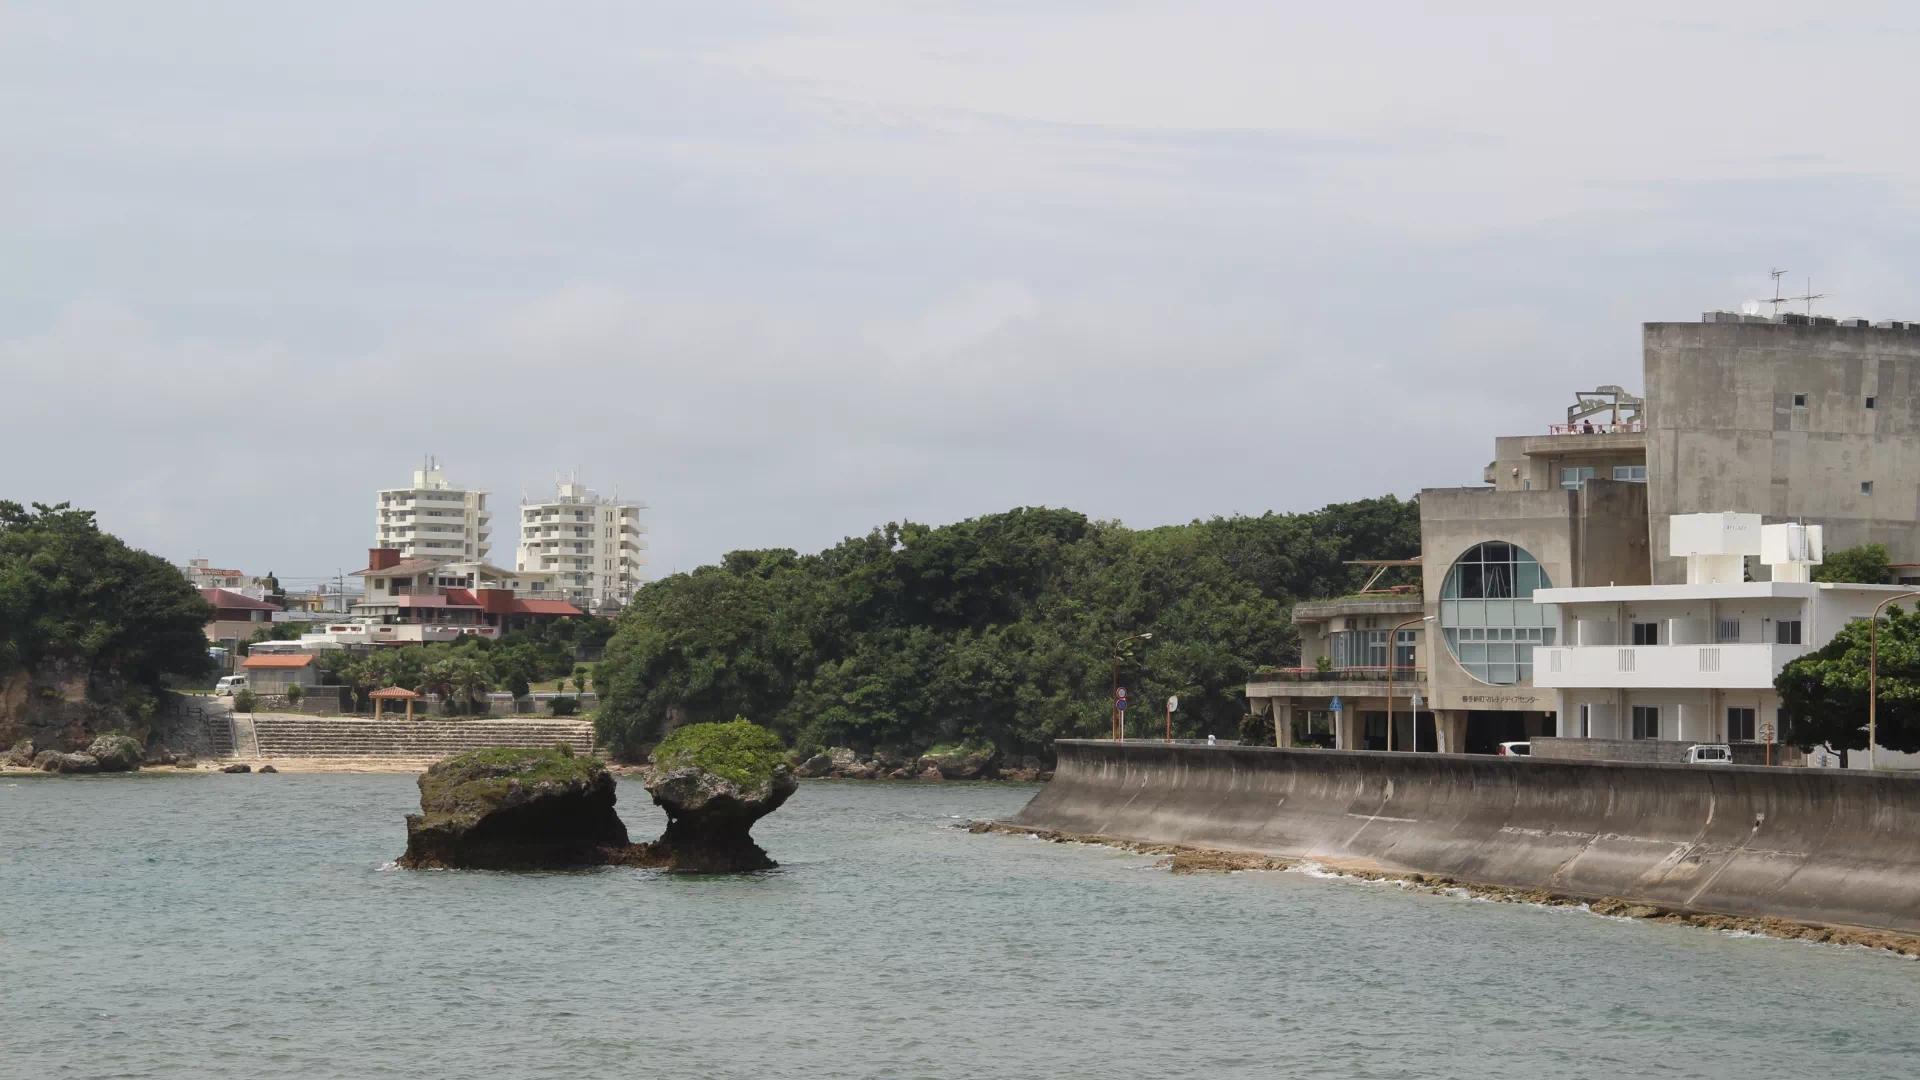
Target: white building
[(596, 546), (1696, 662), (432, 519)]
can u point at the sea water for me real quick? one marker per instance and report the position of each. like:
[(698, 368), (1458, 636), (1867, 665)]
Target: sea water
[(253, 926)]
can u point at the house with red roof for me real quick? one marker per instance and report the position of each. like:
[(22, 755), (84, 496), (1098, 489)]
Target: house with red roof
[(467, 598), (272, 673), (235, 618)]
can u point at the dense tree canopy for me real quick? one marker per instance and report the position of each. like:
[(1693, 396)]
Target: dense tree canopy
[(998, 629), (1867, 564), (68, 589), (463, 671), (1824, 693)]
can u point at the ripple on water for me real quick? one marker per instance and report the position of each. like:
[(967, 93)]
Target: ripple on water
[(210, 929)]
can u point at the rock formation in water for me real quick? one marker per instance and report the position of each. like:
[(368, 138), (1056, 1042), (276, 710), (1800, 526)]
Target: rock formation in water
[(515, 809), (57, 762), (714, 781), (62, 703), (117, 752)]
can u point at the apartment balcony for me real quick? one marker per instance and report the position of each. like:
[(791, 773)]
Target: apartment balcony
[(1351, 681), (1714, 667)]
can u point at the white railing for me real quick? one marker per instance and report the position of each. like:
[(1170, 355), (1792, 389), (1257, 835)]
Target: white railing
[(1655, 666)]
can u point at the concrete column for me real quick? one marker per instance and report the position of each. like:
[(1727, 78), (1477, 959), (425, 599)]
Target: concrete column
[(1342, 735), (1451, 727), (1564, 724), (1282, 723)]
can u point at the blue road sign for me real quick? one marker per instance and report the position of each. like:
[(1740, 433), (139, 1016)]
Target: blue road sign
[(1335, 705)]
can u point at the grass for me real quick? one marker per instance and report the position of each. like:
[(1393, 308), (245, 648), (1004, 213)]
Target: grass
[(470, 783), (741, 751)]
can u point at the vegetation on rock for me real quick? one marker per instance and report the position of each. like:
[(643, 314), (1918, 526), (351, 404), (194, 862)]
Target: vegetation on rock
[(468, 784), (741, 751), (993, 631)]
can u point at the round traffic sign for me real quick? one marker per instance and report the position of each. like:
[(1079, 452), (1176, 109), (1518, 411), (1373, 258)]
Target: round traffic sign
[(1173, 703)]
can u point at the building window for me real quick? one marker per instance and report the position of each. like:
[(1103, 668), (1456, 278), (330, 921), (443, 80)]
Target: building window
[(1739, 725), (1646, 633), (1799, 401), (1646, 721), (1866, 487), (1633, 474), (1729, 632), (1487, 614), (1403, 649), (1787, 632), (1871, 401), (1574, 478)]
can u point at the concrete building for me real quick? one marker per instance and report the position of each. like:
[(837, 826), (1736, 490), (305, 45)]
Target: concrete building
[(273, 672), (1695, 662), (1357, 653), (408, 592), (596, 547), (1812, 421), (236, 618), (432, 519), (205, 575)]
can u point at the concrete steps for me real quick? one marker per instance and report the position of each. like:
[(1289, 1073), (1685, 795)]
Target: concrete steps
[(281, 735)]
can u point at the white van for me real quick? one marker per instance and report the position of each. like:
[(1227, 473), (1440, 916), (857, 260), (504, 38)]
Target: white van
[(228, 684), (1710, 754)]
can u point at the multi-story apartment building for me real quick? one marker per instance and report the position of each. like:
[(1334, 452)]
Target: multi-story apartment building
[(596, 546), (1695, 661), (432, 519), (1798, 419)]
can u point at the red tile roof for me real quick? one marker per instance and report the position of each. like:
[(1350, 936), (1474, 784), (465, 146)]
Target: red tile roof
[(221, 598), (392, 692), (545, 607), (278, 660)]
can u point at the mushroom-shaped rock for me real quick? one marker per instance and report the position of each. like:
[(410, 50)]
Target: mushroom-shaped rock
[(516, 809), (714, 781), (117, 752)]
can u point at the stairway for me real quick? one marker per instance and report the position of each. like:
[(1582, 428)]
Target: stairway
[(288, 736)]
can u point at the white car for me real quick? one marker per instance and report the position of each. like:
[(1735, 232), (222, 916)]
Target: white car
[(1514, 749), (228, 684), (1710, 754)]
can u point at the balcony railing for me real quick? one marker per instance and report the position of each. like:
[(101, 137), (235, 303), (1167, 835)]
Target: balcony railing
[(1584, 428), (1346, 674)]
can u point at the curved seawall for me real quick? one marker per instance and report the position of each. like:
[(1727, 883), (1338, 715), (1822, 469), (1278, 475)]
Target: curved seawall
[(1811, 845)]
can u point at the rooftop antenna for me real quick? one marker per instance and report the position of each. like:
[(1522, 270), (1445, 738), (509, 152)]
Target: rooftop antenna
[(1777, 298), (1810, 297)]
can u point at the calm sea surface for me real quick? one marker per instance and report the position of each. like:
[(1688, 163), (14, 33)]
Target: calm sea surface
[(247, 926)]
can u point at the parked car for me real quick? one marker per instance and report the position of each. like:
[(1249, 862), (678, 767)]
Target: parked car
[(228, 684), (1710, 754), (1514, 749)]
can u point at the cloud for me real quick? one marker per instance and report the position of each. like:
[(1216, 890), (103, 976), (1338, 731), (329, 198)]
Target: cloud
[(787, 271)]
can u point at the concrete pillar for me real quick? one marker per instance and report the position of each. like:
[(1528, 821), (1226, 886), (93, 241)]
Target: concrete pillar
[(1282, 723), (1451, 727), (1342, 739), (1565, 724)]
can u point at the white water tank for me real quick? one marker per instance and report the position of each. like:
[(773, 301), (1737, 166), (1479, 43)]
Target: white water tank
[(1792, 550), (1715, 546)]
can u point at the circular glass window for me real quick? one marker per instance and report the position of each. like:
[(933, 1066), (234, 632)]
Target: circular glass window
[(1487, 614)]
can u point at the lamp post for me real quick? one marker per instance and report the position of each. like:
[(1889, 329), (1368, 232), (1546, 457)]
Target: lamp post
[(1873, 674), (1393, 643), (1118, 717)]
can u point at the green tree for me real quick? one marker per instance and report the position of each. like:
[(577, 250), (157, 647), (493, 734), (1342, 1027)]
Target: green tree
[(458, 680), (1824, 694), (68, 589), (1867, 564)]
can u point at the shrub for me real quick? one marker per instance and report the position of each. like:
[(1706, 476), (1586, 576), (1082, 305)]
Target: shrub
[(564, 749), (564, 706), (243, 701), (741, 751), (294, 694)]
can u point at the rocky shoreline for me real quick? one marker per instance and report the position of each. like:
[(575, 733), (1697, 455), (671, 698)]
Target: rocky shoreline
[(965, 763), (1182, 859)]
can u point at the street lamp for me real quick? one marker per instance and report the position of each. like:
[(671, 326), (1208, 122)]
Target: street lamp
[(1393, 643), (1873, 674), (1119, 718)]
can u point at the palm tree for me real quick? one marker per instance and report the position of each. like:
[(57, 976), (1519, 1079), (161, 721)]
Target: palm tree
[(457, 678)]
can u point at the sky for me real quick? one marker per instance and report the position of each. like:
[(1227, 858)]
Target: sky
[(788, 271)]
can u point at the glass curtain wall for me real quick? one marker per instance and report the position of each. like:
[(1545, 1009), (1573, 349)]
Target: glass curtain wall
[(1487, 614)]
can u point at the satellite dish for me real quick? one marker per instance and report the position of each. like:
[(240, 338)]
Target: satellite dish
[(1751, 307)]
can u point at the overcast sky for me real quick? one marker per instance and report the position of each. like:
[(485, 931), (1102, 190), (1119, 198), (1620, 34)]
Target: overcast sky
[(787, 271)]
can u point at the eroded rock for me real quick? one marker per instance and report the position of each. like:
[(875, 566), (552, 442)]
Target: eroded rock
[(714, 781), (21, 756), (238, 767), (960, 763), (516, 809), (117, 752), (268, 769), (814, 767), (54, 761)]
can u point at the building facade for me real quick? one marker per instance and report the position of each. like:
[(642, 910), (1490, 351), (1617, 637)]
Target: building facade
[(432, 519), (1793, 419), (595, 547)]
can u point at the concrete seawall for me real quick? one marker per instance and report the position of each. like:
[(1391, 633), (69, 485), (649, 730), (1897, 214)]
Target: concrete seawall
[(1810, 845)]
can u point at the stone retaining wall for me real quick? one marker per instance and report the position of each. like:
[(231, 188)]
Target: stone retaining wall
[(1814, 845)]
